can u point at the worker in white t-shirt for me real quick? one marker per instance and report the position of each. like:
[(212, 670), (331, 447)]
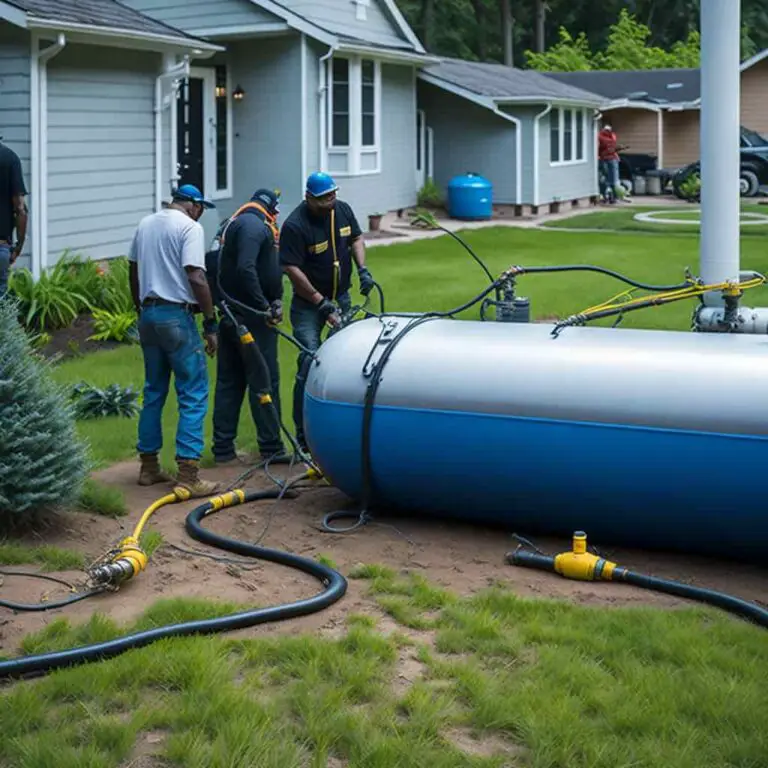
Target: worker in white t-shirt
[(169, 286)]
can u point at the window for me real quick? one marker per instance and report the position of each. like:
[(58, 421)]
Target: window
[(354, 116), (222, 129), (567, 136)]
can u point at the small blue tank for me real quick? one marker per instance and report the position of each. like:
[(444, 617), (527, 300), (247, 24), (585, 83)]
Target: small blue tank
[(470, 197)]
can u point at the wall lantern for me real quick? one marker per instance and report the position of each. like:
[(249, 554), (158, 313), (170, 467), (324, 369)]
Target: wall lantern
[(221, 91), (238, 94)]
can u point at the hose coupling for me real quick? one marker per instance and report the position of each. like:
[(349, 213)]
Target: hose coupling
[(583, 565), (129, 561)]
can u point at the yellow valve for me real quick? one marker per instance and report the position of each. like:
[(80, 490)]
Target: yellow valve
[(583, 565)]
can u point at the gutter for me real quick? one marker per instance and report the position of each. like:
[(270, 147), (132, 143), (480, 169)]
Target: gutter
[(198, 47), (171, 73), (518, 152), (536, 157), (39, 150), (389, 54)]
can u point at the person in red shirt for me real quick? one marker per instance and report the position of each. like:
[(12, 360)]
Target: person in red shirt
[(608, 164)]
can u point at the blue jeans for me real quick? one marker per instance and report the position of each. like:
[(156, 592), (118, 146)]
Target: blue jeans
[(171, 343), (5, 267), (307, 328), (609, 177)]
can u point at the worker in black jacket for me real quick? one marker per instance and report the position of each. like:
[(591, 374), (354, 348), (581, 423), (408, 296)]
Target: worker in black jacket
[(248, 271)]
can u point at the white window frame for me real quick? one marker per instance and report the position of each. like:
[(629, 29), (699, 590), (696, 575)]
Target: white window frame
[(355, 150), (557, 119), (208, 76)]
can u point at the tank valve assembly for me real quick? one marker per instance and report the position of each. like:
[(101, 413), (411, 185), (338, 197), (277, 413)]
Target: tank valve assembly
[(509, 308)]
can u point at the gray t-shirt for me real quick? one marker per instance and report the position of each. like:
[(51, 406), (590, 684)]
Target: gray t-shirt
[(165, 243)]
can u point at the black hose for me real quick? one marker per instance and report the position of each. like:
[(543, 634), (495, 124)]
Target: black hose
[(603, 271), (335, 586), (735, 605)]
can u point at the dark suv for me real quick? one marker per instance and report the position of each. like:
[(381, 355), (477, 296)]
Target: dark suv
[(754, 167)]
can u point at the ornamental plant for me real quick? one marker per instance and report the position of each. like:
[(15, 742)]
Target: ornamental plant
[(43, 463)]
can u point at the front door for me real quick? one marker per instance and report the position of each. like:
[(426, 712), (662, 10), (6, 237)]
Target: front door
[(190, 156)]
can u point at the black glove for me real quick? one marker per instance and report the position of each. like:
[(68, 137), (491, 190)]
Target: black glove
[(276, 312), (326, 308), (366, 281)]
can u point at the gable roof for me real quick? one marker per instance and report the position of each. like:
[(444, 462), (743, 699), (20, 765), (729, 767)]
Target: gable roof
[(756, 59), (656, 86), (290, 11), (96, 17), (499, 84)]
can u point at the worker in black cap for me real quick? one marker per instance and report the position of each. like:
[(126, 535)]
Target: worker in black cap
[(247, 269)]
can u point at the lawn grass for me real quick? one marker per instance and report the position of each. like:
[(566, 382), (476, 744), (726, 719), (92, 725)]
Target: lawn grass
[(621, 219), (492, 680), (439, 274), (50, 558)]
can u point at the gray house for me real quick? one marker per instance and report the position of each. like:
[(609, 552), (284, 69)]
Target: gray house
[(111, 103), (532, 137)]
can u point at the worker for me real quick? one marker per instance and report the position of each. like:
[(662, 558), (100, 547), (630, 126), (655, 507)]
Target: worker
[(248, 270), (318, 243), (608, 165), (169, 286), (13, 212)]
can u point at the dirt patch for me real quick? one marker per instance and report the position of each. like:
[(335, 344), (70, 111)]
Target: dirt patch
[(458, 557), (74, 341), (485, 745), (382, 234)]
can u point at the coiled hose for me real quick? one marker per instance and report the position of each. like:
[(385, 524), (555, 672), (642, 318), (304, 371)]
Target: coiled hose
[(334, 588)]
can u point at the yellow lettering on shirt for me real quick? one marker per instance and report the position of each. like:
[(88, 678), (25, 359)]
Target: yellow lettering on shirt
[(345, 231), (319, 247)]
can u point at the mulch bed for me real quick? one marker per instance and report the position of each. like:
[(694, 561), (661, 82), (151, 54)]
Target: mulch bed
[(67, 343)]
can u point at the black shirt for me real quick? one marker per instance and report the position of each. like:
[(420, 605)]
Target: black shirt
[(11, 185), (305, 242), (249, 263)]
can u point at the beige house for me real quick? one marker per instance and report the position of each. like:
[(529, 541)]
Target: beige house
[(657, 111)]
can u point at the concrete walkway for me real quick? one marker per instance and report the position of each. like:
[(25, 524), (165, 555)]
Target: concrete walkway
[(407, 234)]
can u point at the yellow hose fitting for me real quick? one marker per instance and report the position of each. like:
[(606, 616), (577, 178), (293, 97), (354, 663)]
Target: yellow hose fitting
[(314, 474), (732, 289), (181, 493), (246, 338), (228, 499), (265, 399), (582, 565)]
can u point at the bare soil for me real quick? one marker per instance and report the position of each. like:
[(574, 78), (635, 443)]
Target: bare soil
[(460, 557), (74, 340)]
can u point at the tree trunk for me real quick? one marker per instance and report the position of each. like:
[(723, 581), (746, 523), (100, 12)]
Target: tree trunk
[(541, 18), (507, 26), (428, 23), (482, 47)]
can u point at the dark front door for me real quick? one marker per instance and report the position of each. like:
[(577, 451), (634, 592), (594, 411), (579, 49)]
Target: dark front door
[(189, 105)]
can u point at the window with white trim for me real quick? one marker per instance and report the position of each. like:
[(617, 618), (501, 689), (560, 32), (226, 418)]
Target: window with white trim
[(354, 116), (567, 136)]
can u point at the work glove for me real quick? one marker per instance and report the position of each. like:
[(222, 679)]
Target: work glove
[(366, 281), (275, 313), (329, 312)]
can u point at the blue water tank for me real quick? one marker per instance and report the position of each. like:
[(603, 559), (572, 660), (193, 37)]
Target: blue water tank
[(470, 197)]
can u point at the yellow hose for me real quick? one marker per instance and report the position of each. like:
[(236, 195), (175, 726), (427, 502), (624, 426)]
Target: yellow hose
[(171, 498)]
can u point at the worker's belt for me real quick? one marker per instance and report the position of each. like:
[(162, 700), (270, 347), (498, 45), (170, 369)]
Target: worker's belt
[(154, 301)]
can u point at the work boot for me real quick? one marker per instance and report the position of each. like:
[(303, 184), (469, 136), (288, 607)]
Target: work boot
[(190, 479), (240, 459), (150, 472)]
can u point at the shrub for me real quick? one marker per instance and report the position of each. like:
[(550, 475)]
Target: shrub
[(430, 195), (42, 462), (114, 400)]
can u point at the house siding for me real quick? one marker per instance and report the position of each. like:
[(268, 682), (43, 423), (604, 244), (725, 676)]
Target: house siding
[(754, 97), (468, 137), (681, 138), (101, 149), (14, 106), (190, 15), (636, 128), (341, 18), (566, 182), (395, 186)]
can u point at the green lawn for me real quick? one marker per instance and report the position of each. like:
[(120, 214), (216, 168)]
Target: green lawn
[(621, 219), (482, 682), (439, 274), (485, 681)]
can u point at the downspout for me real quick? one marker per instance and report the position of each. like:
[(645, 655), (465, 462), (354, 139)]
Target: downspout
[(321, 94), (173, 72), (518, 151), (660, 137), (597, 118), (536, 119), (304, 153), (39, 149)]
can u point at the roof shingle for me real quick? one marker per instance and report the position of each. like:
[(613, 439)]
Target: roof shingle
[(500, 82), (97, 13)]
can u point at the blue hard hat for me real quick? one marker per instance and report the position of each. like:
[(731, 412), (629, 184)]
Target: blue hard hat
[(190, 193), (319, 184)]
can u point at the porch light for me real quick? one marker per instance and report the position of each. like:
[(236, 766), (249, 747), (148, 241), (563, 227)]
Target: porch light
[(221, 91), (238, 94)]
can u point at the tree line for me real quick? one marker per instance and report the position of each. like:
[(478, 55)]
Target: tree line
[(566, 35)]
